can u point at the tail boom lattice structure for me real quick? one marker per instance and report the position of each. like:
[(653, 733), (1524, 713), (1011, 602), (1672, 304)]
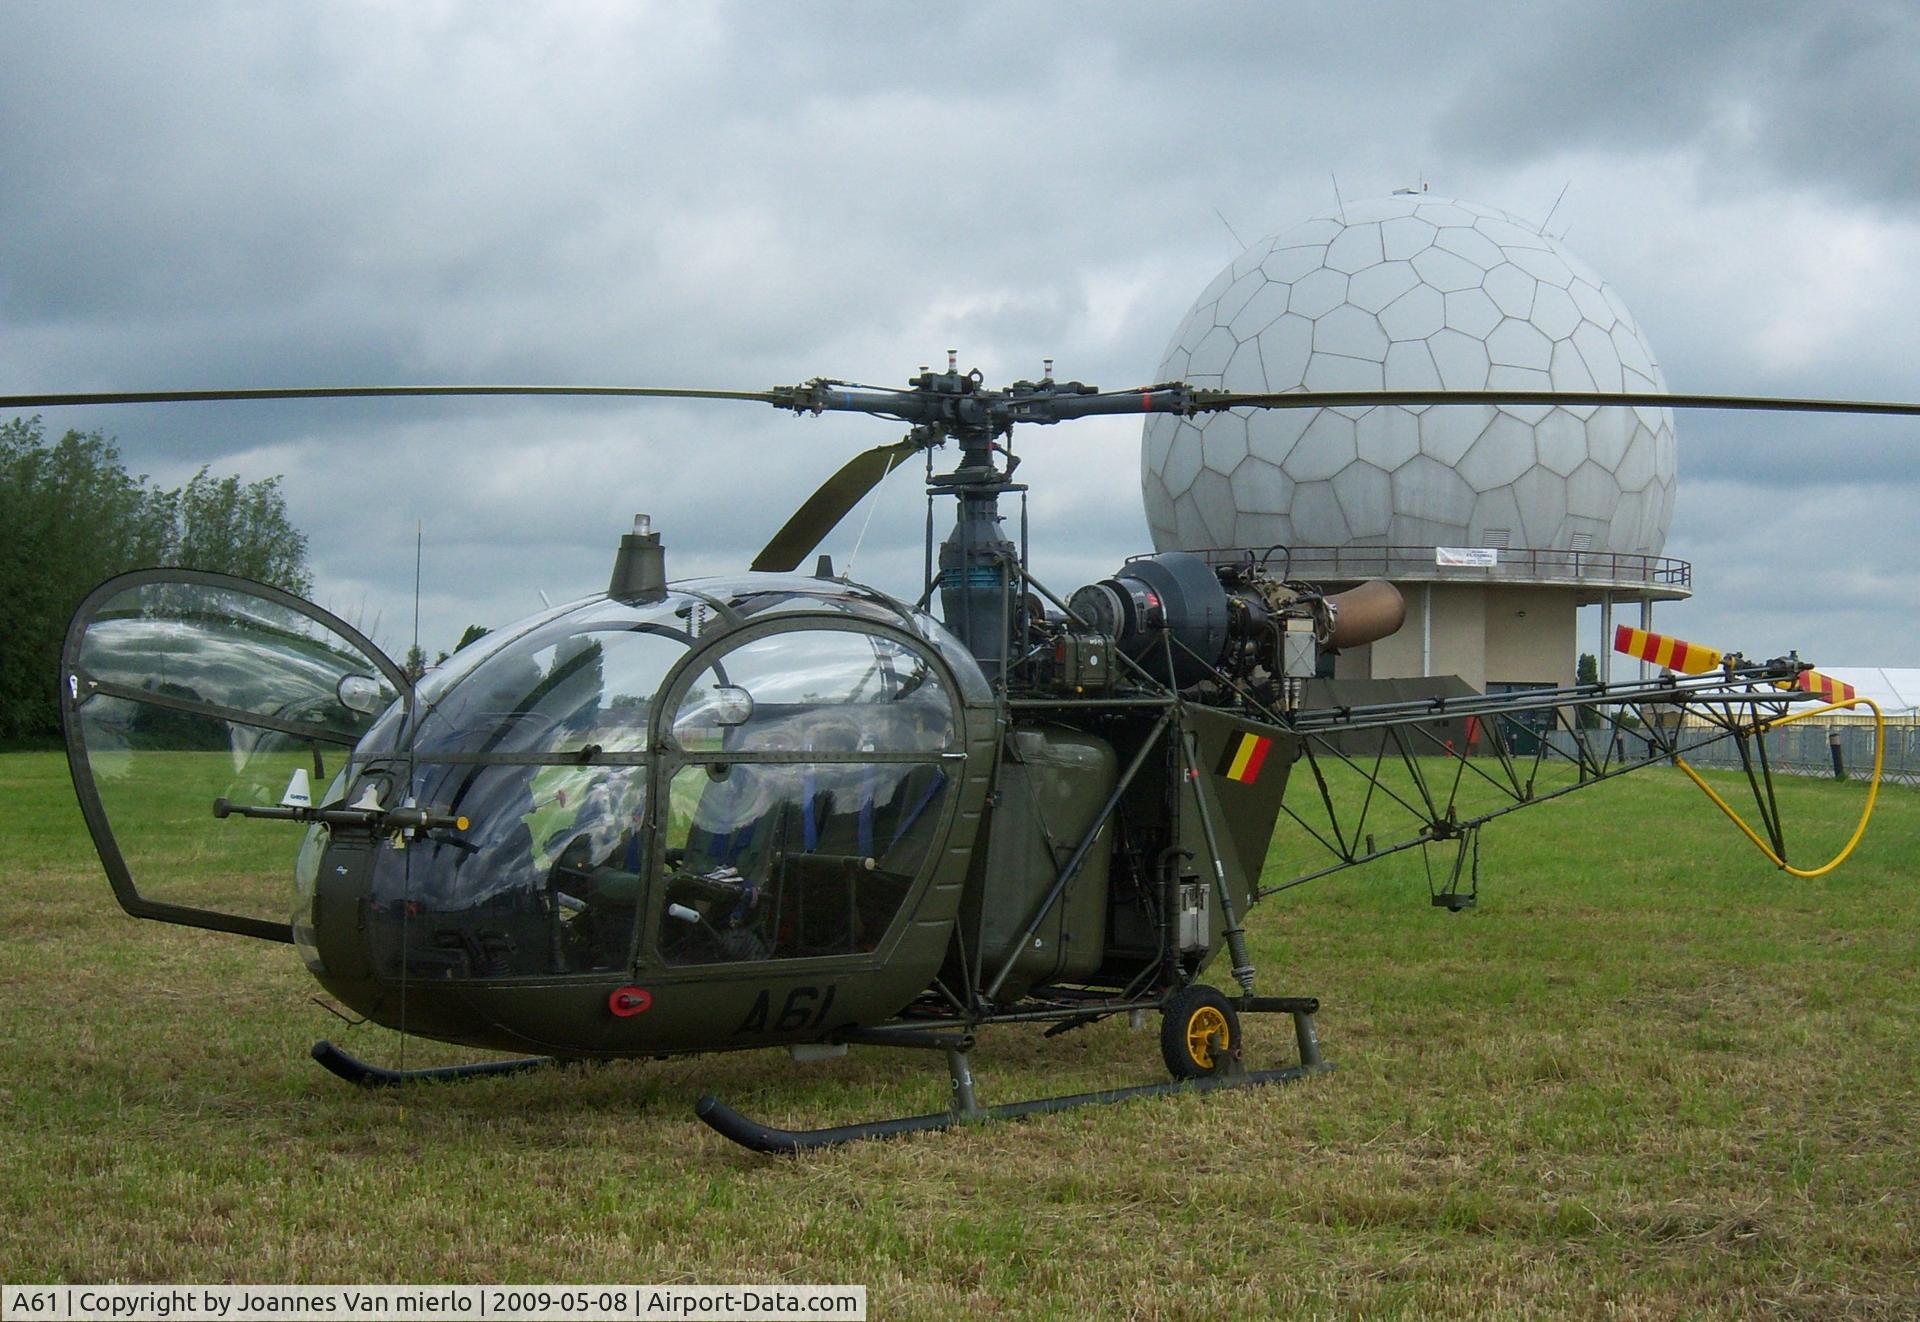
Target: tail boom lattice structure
[(1525, 748)]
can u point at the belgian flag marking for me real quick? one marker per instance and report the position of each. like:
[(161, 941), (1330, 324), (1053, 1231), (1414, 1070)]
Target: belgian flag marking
[(1243, 756)]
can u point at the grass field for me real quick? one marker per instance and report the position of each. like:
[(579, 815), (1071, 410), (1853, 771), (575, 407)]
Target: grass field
[(1647, 1077)]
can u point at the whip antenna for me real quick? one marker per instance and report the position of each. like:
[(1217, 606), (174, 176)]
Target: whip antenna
[(415, 657), (873, 503)]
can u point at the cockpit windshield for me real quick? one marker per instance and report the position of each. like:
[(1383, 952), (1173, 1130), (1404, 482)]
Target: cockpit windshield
[(551, 745)]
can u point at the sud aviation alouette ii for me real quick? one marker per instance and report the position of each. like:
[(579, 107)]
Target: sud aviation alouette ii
[(783, 809)]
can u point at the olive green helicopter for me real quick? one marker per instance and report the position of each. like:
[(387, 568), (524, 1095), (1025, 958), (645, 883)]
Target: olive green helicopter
[(781, 809)]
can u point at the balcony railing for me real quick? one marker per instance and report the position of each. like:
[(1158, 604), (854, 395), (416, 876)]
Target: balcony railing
[(1514, 564)]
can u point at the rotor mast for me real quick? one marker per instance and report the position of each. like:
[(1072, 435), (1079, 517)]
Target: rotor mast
[(978, 594)]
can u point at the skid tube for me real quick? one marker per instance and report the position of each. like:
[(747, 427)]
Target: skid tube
[(765, 1138), (355, 1070), (751, 1134)]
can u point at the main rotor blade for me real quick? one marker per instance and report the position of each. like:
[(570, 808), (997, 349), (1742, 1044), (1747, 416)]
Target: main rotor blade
[(829, 504), (374, 392), (1212, 401)]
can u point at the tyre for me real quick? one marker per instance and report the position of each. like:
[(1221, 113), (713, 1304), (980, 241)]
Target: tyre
[(1199, 1032)]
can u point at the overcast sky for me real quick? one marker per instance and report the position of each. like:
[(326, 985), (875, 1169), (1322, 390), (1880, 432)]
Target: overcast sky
[(739, 196)]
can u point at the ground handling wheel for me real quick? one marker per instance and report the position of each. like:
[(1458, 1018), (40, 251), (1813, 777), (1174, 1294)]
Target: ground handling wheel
[(1199, 1032)]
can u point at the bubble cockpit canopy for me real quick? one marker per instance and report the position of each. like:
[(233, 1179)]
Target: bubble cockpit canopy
[(745, 769)]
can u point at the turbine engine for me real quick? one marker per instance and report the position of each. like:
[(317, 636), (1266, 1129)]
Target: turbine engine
[(1196, 625)]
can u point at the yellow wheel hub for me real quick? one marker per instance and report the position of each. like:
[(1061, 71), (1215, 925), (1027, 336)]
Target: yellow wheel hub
[(1206, 1033)]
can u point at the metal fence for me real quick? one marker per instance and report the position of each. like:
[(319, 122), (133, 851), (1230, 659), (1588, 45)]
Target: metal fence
[(1519, 564), (1804, 748)]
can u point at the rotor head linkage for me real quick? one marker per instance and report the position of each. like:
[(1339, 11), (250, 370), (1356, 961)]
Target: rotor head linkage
[(960, 405)]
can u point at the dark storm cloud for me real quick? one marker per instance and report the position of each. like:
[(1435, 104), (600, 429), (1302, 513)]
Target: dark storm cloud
[(732, 195), (1758, 93)]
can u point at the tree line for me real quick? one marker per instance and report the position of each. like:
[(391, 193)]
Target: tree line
[(71, 515)]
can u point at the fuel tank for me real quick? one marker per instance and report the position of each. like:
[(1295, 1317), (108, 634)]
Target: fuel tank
[(1048, 794)]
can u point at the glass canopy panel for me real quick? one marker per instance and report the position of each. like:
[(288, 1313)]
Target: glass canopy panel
[(544, 882), (762, 596), (784, 860), (813, 798), (220, 649), (156, 773), (837, 691), (540, 742), (585, 679), (185, 690)]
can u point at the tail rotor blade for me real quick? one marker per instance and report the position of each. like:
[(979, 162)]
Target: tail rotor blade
[(1675, 654), (829, 504), (1826, 687)]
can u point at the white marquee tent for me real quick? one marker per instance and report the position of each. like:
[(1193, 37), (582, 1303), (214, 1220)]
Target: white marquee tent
[(1897, 691)]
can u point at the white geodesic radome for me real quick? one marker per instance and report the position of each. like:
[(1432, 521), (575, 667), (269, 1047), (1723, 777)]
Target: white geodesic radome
[(1411, 292)]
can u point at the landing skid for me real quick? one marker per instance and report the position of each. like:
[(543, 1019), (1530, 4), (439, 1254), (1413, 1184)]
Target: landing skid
[(749, 1133), (765, 1138), (355, 1070)]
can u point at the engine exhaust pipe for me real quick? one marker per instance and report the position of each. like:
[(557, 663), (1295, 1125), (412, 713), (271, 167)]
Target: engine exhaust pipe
[(1361, 615)]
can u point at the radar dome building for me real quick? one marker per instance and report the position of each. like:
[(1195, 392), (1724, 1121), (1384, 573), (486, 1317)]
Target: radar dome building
[(1419, 292)]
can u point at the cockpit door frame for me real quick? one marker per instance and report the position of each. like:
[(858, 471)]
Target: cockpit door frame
[(667, 758), (73, 677)]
